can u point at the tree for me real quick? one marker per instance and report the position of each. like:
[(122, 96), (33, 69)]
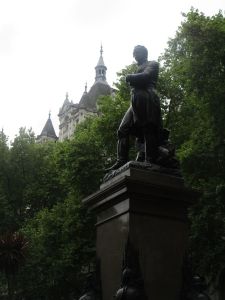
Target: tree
[(192, 81), (13, 247), (5, 209), (192, 76), (32, 179), (61, 251)]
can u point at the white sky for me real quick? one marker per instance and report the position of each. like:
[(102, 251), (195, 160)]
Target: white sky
[(50, 47)]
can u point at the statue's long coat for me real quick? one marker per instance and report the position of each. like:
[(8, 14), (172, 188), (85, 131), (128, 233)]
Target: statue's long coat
[(144, 98)]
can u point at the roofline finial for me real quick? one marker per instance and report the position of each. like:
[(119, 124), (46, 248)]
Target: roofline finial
[(101, 49), (49, 114)]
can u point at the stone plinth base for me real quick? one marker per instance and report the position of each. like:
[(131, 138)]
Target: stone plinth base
[(150, 208)]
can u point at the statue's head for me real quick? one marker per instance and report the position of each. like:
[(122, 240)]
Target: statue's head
[(140, 53)]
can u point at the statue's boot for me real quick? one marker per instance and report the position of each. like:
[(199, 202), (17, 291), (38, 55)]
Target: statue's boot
[(140, 146), (151, 148), (122, 154)]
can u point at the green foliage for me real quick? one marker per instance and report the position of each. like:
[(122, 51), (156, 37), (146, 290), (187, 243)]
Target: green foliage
[(83, 161), (31, 176), (31, 183), (61, 251), (192, 76), (192, 82), (207, 238), (5, 213)]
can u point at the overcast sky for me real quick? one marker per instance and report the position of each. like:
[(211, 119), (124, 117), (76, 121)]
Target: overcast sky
[(50, 47)]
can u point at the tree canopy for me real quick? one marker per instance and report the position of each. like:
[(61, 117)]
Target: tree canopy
[(192, 81)]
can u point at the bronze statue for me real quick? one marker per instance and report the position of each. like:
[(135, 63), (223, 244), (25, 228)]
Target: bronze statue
[(143, 118)]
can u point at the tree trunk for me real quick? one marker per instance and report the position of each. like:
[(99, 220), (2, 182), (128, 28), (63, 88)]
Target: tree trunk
[(10, 283)]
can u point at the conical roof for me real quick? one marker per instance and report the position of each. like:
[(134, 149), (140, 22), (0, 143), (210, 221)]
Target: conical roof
[(100, 61), (66, 101), (66, 105), (85, 98), (48, 130)]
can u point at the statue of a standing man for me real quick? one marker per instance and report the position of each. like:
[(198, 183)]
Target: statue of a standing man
[(143, 118)]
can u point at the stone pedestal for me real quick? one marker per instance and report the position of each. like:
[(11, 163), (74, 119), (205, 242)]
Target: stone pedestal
[(150, 208)]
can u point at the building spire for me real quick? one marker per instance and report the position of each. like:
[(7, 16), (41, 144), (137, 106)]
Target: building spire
[(66, 101), (48, 132), (101, 50), (100, 69)]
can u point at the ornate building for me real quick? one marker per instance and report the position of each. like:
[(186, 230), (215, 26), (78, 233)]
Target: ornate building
[(71, 114), (48, 132)]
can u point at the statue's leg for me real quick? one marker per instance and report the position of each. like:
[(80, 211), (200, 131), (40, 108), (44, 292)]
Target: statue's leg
[(123, 140), (151, 143), (123, 150), (140, 146)]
